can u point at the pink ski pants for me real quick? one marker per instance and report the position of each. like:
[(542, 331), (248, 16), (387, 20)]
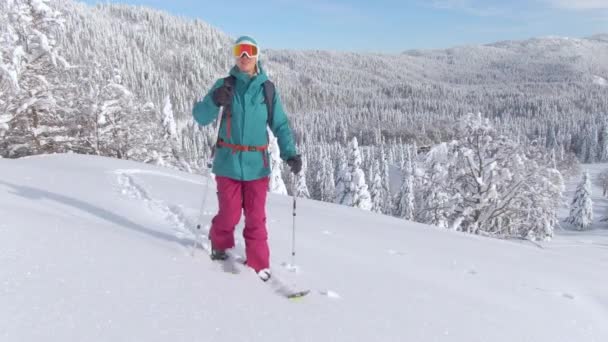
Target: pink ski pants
[(249, 196)]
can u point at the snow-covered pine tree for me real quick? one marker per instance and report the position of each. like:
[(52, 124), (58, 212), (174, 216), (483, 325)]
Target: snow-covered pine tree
[(592, 147), (316, 191), (276, 185), (377, 190), (604, 181), (301, 189), (370, 178), (327, 186), (405, 205), (343, 179), (417, 176), (550, 139), (361, 199), (351, 189), (401, 154), (603, 178), (603, 144), (435, 197), (168, 120), (386, 183), (314, 172), (581, 209)]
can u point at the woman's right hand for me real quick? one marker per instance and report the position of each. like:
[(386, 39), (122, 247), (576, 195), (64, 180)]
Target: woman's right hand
[(222, 96)]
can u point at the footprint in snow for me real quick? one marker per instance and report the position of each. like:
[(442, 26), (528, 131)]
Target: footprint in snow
[(567, 295), (558, 293), (331, 294), (290, 267)]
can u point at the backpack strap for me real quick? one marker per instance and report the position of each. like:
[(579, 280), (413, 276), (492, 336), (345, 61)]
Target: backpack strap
[(229, 83), (269, 99)]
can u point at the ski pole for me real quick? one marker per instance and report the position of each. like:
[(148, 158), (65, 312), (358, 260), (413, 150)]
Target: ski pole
[(293, 233), (206, 191), (198, 231)]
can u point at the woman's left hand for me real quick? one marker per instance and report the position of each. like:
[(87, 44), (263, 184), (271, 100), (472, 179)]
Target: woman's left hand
[(295, 163)]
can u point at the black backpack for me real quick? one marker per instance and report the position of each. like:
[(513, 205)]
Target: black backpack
[(268, 95)]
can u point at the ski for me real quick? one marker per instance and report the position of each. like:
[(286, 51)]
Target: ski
[(298, 294), (235, 263), (284, 290)]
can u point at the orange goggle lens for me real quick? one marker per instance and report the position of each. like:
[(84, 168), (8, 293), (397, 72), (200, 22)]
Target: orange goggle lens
[(248, 49)]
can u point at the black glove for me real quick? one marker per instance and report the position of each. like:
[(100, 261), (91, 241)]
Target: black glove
[(295, 163), (222, 96)]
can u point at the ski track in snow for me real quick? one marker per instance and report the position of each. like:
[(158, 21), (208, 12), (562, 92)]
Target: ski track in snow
[(155, 173), (173, 214)]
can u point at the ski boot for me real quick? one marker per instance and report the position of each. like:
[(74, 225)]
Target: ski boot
[(265, 274), (218, 254)]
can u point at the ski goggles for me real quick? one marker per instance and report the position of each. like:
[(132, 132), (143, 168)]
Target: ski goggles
[(248, 49)]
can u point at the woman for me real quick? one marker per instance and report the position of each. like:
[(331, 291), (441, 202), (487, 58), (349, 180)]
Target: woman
[(241, 157)]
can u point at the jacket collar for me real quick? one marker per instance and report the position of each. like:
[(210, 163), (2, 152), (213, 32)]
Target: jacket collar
[(257, 79)]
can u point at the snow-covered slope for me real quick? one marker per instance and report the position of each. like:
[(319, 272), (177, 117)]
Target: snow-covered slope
[(96, 249)]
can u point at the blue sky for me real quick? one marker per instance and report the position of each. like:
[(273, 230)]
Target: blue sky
[(390, 25)]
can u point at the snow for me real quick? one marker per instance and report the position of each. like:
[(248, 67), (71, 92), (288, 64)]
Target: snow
[(41, 6), (600, 81), (97, 249), (11, 74), (5, 118)]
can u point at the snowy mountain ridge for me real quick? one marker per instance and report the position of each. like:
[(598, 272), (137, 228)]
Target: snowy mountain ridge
[(99, 249)]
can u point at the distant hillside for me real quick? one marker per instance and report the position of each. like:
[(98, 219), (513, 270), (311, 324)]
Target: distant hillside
[(527, 84)]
